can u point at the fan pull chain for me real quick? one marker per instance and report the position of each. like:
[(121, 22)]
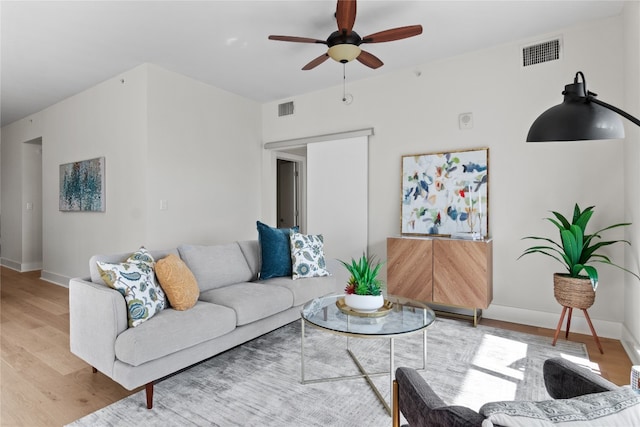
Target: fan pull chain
[(344, 83)]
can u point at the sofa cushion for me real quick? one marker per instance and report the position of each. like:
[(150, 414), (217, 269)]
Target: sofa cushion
[(275, 251), (611, 408), (307, 256), (135, 280), (177, 282), (250, 301), (304, 290), (173, 330), (217, 265)]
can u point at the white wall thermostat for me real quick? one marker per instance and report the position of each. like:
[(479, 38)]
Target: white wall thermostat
[(465, 120)]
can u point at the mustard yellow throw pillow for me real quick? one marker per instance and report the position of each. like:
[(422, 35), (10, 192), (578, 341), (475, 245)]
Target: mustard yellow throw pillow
[(178, 282)]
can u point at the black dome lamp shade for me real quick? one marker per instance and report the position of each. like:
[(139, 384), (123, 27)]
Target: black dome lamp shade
[(581, 116)]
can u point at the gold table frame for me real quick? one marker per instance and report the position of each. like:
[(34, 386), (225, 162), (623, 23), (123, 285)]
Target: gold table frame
[(363, 373)]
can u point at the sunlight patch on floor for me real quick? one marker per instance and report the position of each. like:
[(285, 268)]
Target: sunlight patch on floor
[(482, 387), (503, 356), (498, 367)]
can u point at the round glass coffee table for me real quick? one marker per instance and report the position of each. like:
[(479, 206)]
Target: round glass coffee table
[(399, 317)]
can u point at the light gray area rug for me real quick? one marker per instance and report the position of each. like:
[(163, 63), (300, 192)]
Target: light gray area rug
[(258, 383)]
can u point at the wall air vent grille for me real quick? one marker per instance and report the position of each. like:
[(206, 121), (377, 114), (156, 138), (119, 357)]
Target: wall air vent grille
[(285, 109), (541, 52)]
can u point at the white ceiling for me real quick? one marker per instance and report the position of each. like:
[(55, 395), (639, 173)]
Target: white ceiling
[(51, 50)]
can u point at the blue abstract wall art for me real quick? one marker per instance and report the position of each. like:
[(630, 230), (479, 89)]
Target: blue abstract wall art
[(82, 186), (446, 193)]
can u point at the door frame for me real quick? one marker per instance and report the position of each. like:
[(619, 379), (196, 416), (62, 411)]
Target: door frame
[(301, 162)]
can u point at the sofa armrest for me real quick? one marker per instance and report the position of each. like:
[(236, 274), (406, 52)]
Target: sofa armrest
[(564, 379), (97, 315), (422, 407)]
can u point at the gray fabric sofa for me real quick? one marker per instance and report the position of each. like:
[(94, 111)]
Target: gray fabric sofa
[(233, 307), (422, 407)]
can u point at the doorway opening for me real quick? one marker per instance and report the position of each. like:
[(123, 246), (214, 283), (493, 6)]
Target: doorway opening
[(32, 201), (291, 188), (287, 194)]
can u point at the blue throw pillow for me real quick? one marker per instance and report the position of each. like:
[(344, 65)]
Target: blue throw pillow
[(276, 251)]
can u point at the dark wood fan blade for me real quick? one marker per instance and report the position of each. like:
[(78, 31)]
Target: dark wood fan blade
[(369, 60), (313, 64), (346, 15), (296, 39), (393, 34)]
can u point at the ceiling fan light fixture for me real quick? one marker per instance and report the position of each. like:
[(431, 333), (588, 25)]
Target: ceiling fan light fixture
[(344, 52), (344, 43)]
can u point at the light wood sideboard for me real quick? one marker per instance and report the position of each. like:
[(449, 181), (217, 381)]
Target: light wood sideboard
[(443, 271)]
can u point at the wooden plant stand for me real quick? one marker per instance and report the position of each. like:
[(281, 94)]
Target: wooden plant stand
[(586, 316)]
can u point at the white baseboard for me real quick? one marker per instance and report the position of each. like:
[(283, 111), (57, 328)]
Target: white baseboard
[(54, 278), (542, 319), (31, 266), (13, 265), (631, 346), (21, 267)]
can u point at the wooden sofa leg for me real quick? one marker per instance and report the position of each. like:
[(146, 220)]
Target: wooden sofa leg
[(149, 391), (94, 370)]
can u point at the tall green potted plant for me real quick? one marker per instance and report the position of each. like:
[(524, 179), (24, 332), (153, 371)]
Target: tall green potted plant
[(576, 251)]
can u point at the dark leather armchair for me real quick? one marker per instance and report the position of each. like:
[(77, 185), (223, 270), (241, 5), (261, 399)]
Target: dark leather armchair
[(422, 407)]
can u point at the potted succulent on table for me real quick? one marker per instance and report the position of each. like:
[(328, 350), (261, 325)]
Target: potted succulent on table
[(575, 251), (363, 291)]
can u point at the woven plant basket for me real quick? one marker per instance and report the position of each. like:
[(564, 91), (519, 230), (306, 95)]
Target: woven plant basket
[(574, 292)]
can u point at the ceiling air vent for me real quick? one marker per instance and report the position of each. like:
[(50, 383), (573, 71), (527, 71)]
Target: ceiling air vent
[(541, 52), (285, 109)]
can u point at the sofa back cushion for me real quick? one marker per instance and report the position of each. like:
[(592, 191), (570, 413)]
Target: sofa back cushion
[(118, 258), (216, 266), (251, 251)]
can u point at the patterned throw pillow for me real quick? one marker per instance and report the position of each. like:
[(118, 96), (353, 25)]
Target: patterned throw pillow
[(178, 282), (135, 280), (619, 407), (307, 256)]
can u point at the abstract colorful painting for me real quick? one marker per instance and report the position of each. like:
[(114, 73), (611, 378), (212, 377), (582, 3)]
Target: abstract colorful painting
[(445, 193), (82, 186)]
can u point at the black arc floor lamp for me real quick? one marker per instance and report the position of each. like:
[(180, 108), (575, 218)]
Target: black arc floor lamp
[(581, 116)]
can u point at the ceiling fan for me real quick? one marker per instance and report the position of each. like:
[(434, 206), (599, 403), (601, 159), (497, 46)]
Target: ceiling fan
[(344, 44)]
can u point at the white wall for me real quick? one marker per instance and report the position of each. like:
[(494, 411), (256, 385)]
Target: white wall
[(631, 333), (419, 114), (204, 160), (164, 136), (107, 120)]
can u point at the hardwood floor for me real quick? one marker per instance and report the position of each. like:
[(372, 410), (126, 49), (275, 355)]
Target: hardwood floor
[(43, 384)]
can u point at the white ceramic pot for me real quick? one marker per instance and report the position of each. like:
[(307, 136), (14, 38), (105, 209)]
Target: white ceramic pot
[(364, 303)]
